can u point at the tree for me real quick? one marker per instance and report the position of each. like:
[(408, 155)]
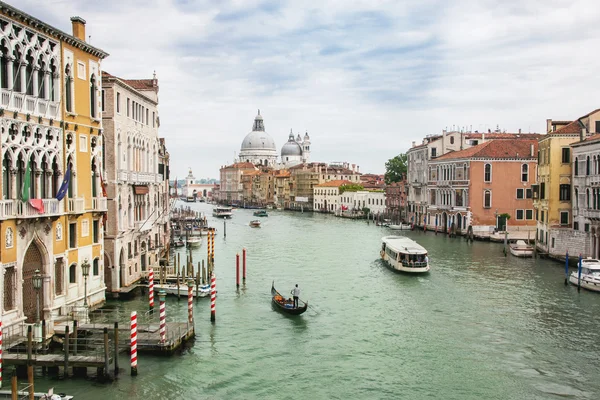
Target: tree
[(395, 168)]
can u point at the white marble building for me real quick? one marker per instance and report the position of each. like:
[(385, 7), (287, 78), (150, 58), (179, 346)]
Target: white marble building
[(258, 146), (137, 229)]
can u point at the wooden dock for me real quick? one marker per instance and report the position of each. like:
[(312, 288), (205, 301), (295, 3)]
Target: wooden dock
[(53, 360)]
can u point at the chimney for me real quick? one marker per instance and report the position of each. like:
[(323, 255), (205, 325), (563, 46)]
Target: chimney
[(489, 131), (548, 125), (353, 165), (519, 130), (531, 151), (583, 134), (357, 167), (78, 28), (482, 137), (414, 144)]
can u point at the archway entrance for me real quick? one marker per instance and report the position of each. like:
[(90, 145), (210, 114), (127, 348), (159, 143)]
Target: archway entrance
[(121, 270), (459, 222), (108, 270), (444, 222), (32, 261), (144, 256)]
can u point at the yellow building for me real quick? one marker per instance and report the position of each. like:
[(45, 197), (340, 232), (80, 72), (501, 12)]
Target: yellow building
[(552, 195), (50, 105)]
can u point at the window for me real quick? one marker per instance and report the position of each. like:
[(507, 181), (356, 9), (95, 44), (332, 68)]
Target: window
[(537, 214), (128, 106), (586, 227), (451, 139), (566, 155), (59, 268), (153, 118), (9, 288), (542, 190), (118, 102), (542, 216), (73, 273), (528, 193), (487, 199), (95, 230), (68, 89), (587, 165), (96, 267), (487, 174), (73, 235), (103, 100), (433, 152), (529, 214), (575, 226), (576, 166), (520, 214), (147, 113), (524, 173), (565, 192), (564, 218), (520, 193), (93, 97), (552, 242)]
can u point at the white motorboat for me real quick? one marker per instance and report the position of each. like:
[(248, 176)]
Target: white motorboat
[(521, 249), (171, 288), (255, 223), (403, 254), (590, 274), (194, 241), (401, 227), (222, 212)]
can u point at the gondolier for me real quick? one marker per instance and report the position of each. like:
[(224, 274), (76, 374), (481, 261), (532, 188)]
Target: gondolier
[(296, 294)]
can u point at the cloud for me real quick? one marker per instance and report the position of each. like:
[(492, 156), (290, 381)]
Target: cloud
[(364, 78)]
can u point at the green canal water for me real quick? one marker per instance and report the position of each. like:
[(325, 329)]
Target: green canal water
[(479, 326)]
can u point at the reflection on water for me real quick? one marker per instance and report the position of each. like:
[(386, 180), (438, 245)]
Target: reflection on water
[(480, 325)]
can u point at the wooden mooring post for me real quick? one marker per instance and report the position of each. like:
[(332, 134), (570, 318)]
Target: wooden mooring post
[(30, 362), (116, 348), (66, 349)]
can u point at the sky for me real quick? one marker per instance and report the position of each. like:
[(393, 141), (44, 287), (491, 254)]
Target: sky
[(364, 78)]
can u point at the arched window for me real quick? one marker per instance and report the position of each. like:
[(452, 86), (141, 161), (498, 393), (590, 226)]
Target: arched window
[(68, 91), (576, 198), (52, 80), (93, 97), (587, 165), (487, 174), (17, 71), (587, 198), (6, 181), (576, 166), (524, 173), (3, 65), (29, 74), (487, 199), (451, 139)]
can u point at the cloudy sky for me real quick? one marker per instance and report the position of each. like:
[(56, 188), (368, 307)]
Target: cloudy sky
[(364, 78)]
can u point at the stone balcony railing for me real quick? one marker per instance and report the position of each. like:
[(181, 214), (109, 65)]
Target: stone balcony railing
[(76, 206), (10, 209), (99, 203), (589, 213), (27, 104)]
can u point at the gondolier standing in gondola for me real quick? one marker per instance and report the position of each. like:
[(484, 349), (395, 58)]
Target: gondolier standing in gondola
[(296, 294)]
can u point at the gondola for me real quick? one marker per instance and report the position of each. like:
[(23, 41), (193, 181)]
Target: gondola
[(282, 304)]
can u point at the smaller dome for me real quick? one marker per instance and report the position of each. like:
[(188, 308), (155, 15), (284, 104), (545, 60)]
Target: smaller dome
[(306, 137), (291, 148)]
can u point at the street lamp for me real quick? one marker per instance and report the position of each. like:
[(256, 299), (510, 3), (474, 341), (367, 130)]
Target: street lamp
[(85, 270), (37, 281)]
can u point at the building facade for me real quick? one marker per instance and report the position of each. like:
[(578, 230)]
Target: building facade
[(137, 180), (395, 201), (52, 206)]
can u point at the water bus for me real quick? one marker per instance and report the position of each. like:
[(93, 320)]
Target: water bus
[(222, 212), (403, 254)]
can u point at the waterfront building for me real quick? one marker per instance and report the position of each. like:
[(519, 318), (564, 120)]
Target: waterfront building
[(552, 198), (483, 187), (417, 157), (395, 200), (192, 190), (358, 200), (137, 230), (281, 188), (50, 94), (230, 187), (586, 195), (327, 196)]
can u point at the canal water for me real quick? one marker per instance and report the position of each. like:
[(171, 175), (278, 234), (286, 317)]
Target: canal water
[(479, 326)]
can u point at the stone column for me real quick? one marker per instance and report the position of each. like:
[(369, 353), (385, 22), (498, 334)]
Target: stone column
[(13, 184), (23, 78), (38, 184), (48, 178), (47, 85), (9, 74), (35, 82)]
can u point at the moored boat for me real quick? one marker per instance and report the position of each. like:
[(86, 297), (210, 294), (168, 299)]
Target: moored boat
[(403, 254), (590, 274), (255, 223), (194, 241), (287, 305), (521, 249), (222, 212), (177, 243), (400, 227), (171, 289), (261, 213)]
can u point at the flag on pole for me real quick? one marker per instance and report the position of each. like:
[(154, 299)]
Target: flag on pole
[(103, 186), (64, 187), (38, 204), (26, 183)]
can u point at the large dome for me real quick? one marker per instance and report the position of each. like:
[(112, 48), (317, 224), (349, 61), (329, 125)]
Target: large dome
[(291, 147), (258, 139)]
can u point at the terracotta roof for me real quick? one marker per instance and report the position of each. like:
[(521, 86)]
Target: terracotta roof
[(496, 149), (503, 135), (572, 128), (282, 173), (240, 165), (251, 172), (140, 84), (336, 183), (589, 139)]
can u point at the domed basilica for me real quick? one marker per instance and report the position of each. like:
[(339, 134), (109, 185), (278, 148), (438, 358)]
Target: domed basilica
[(259, 148)]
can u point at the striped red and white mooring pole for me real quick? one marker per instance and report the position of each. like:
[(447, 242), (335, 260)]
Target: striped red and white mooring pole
[(190, 300), (133, 326), (244, 266), (213, 297), (237, 270), (151, 288), (163, 316)]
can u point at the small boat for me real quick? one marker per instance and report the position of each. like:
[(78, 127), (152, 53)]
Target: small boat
[(177, 243), (194, 241), (590, 274), (171, 288), (24, 394), (204, 231), (222, 212), (255, 223), (269, 207), (401, 227), (403, 254), (261, 213), (521, 249), (287, 305)]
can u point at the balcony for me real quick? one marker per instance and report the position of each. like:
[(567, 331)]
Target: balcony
[(19, 209), (76, 206), (122, 176), (7, 209), (100, 204), (28, 104), (142, 177), (589, 213)]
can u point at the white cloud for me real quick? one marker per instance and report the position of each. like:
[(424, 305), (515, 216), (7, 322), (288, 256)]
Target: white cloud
[(365, 78)]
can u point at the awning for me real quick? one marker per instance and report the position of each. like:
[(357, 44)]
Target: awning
[(140, 189)]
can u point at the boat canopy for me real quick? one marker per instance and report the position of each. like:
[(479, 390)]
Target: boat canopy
[(404, 245)]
